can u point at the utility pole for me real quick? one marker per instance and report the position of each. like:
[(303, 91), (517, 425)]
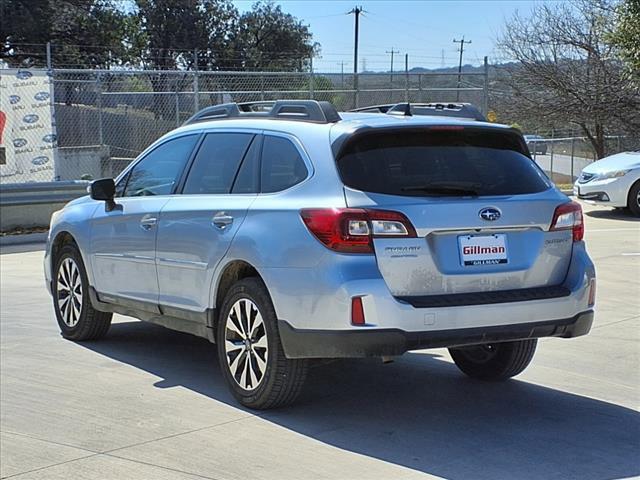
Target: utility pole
[(356, 12), (462, 43), (392, 51)]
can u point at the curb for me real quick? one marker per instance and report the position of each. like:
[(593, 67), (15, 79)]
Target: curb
[(23, 239)]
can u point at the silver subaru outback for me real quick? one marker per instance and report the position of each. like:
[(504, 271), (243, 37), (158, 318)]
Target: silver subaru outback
[(287, 231)]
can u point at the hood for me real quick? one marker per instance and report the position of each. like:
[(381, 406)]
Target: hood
[(620, 161)]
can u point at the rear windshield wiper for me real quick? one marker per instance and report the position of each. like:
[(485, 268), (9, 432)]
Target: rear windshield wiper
[(441, 190)]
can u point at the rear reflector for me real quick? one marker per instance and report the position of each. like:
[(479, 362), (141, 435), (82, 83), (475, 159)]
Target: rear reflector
[(568, 216), (351, 230), (357, 311)]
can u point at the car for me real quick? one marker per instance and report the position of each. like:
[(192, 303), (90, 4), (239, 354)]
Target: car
[(536, 144), (613, 181), (285, 232)]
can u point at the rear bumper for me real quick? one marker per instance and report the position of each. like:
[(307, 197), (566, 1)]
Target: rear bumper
[(300, 343)]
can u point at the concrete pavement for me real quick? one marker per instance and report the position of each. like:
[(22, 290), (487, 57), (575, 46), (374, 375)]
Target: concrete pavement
[(147, 402)]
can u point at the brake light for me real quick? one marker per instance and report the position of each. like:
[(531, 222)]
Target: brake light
[(351, 230), (568, 216), (446, 128)]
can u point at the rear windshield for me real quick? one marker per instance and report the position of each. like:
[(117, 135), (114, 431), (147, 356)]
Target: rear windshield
[(431, 162)]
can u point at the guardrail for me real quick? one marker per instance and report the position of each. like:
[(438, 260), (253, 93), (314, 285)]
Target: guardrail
[(31, 204)]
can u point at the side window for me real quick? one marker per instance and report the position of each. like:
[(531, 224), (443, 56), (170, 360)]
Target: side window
[(121, 184), (216, 163), (248, 178), (282, 165), (158, 172)]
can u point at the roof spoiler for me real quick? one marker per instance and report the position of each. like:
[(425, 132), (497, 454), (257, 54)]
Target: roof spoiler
[(459, 110)]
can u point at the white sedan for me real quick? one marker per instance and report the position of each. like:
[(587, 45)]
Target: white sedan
[(613, 181)]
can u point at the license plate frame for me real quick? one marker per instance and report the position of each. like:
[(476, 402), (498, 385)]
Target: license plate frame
[(483, 250)]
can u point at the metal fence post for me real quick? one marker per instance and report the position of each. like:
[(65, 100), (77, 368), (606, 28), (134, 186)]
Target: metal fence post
[(99, 106), (573, 146), (551, 161), (406, 77), (196, 86), (311, 80), (177, 108), (420, 93), (485, 91), (357, 90), (49, 62), (262, 88)]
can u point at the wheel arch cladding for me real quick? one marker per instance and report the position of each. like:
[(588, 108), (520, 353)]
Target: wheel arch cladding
[(233, 272)]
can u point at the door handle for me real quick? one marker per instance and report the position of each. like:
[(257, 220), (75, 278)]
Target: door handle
[(221, 220), (147, 223)]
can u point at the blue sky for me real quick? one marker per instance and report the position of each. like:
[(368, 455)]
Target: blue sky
[(423, 29)]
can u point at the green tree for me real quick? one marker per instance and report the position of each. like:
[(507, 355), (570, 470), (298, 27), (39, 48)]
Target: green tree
[(269, 39), (175, 29), (626, 35), (83, 33)]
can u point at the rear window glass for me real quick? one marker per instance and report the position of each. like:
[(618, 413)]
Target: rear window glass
[(439, 163)]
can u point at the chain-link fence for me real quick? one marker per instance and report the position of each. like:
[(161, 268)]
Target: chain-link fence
[(105, 118), (563, 154)]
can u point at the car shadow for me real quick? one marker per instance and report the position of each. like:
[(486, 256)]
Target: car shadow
[(419, 412), (614, 214)]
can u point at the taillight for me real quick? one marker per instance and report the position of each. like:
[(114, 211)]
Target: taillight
[(568, 216), (351, 230)]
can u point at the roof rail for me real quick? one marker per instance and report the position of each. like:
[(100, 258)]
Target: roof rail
[(302, 110), (460, 110)]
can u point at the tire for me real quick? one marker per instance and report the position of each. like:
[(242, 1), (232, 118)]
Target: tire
[(494, 361), (76, 317), (269, 379), (633, 200)]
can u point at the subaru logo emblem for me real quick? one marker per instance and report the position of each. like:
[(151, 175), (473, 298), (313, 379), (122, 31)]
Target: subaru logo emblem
[(489, 214), (13, 99), (32, 118), (40, 160), (41, 96), (19, 142), (49, 138), (24, 75)]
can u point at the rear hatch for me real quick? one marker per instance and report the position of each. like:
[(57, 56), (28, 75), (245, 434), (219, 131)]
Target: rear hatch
[(480, 207)]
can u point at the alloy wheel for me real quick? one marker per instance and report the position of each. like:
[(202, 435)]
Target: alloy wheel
[(69, 292), (246, 345)]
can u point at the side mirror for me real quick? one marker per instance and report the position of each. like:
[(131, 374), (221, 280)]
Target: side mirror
[(105, 190)]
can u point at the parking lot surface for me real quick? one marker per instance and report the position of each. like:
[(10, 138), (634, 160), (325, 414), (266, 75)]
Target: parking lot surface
[(147, 402)]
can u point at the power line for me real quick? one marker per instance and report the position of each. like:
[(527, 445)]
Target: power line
[(462, 43)]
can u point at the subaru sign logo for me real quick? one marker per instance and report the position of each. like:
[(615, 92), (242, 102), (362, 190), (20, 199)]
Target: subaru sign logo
[(13, 99), (41, 96), (32, 118), (24, 75), (19, 142), (49, 138), (489, 214), (40, 160)]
